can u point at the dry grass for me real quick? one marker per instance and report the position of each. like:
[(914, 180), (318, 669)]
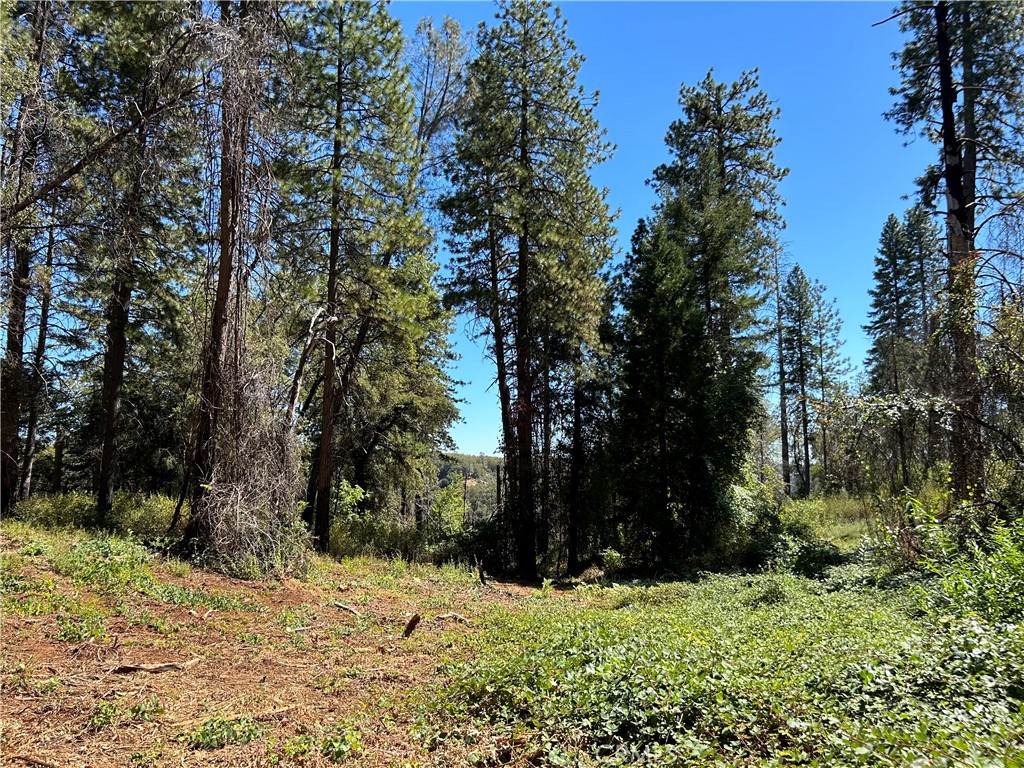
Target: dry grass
[(297, 662)]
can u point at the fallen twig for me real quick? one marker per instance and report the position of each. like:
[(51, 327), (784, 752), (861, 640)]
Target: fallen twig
[(453, 617), (167, 666), (344, 607)]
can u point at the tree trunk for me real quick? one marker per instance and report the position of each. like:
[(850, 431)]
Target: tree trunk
[(234, 145), (968, 461), (12, 375), (804, 420), (58, 460), (325, 467), (544, 532), (575, 503), (526, 553), (39, 360), (787, 486), (116, 353), (504, 390)]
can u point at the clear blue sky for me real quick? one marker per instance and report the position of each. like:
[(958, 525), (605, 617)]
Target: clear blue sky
[(822, 63)]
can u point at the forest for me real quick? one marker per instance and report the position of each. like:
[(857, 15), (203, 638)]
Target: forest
[(238, 238)]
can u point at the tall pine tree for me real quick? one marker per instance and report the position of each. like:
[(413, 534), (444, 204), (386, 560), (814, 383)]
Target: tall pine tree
[(529, 230)]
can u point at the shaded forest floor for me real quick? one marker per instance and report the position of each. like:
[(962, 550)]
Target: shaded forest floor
[(115, 656)]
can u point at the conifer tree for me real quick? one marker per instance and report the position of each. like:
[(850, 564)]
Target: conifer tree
[(798, 309), (814, 370), (690, 388), (356, 117), (962, 72), (529, 230)]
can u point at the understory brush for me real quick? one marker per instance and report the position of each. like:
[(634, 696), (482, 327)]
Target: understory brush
[(133, 514), (773, 669), (108, 564), (983, 577)]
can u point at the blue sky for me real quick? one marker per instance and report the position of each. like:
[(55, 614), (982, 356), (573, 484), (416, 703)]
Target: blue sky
[(822, 63)]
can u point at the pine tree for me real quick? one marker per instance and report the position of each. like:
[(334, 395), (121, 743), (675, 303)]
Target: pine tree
[(133, 240), (962, 81), (904, 358), (798, 310), (529, 229), (814, 370), (383, 333), (830, 371), (24, 144)]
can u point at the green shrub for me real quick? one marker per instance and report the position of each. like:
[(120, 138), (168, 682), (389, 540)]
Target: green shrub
[(58, 509), (143, 514), (814, 558), (987, 578)]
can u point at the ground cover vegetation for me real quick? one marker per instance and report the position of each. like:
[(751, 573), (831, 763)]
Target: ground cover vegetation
[(227, 357)]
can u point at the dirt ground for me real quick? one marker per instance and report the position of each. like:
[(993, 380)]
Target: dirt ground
[(297, 658)]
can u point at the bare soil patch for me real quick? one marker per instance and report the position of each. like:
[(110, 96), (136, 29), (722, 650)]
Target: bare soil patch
[(298, 663)]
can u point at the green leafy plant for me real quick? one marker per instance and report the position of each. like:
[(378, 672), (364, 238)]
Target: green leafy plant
[(106, 713), (341, 742), (218, 732), (986, 578)]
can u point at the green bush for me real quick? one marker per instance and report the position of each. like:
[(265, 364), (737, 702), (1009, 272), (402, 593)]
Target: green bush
[(141, 514), (986, 578), (814, 558), (58, 509), (144, 514)]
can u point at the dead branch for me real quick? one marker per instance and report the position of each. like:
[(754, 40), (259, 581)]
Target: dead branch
[(167, 666), (344, 607)]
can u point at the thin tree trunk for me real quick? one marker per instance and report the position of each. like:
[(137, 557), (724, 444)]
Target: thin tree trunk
[(504, 390), (12, 375), (300, 369), (58, 460), (575, 503), (116, 353), (544, 534), (804, 420), (325, 466), (787, 485), (39, 360)]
